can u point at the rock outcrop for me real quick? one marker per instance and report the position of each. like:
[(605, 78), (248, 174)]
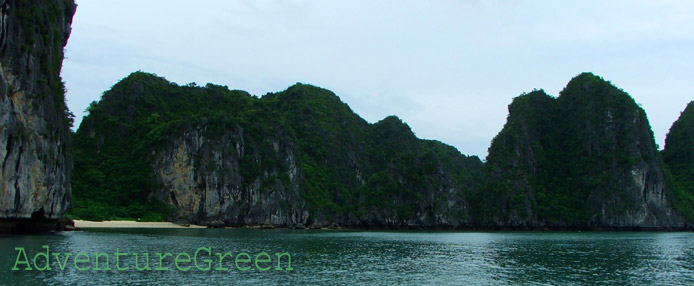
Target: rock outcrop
[(584, 159), (34, 121), (678, 155), (300, 157), (201, 180)]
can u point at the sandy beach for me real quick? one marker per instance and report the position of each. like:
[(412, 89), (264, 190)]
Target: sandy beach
[(129, 224)]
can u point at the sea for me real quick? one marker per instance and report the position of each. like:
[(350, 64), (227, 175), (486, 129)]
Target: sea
[(102, 256)]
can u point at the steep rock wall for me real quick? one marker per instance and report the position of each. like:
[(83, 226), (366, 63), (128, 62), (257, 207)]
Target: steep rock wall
[(200, 178), (297, 157), (584, 159), (678, 156), (34, 121)]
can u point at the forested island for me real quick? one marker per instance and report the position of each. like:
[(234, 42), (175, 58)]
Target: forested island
[(151, 149)]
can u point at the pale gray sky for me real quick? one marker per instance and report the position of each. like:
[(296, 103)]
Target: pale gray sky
[(447, 68)]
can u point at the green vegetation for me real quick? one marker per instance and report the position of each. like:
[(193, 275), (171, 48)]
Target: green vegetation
[(678, 155), (43, 39), (112, 176), (558, 160), (346, 164)]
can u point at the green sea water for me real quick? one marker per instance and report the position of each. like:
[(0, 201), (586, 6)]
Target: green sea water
[(352, 257)]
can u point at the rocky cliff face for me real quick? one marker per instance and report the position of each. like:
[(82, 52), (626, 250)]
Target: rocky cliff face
[(679, 158), (301, 157), (34, 121), (200, 178), (584, 159), (296, 157), (515, 159), (415, 183)]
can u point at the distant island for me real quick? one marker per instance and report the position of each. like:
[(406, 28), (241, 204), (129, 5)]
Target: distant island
[(153, 150)]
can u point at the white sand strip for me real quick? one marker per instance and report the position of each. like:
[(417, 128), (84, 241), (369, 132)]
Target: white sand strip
[(129, 224)]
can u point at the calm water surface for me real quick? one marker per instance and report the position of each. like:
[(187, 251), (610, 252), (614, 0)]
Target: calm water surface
[(366, 258)]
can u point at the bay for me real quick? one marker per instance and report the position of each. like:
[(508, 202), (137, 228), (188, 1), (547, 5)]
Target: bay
[(328, 257)]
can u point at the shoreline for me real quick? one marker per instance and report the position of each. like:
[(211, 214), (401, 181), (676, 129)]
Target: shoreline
[(81, 224)]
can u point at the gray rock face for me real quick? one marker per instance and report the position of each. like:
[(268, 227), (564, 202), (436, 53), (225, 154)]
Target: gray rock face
[(299, 157), (200, 179), (644, 198), (34, 121), (584, 159), (678, 156)]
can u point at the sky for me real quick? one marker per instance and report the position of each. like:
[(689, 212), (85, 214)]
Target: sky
[(447, 68)]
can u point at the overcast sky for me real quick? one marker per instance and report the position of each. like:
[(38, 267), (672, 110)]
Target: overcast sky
[(447, 68)]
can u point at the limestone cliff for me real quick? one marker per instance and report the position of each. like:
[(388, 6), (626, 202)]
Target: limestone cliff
[(34, 121), (209, 155), (200, 178), (679, 158), (584, 159), (301, 157)]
